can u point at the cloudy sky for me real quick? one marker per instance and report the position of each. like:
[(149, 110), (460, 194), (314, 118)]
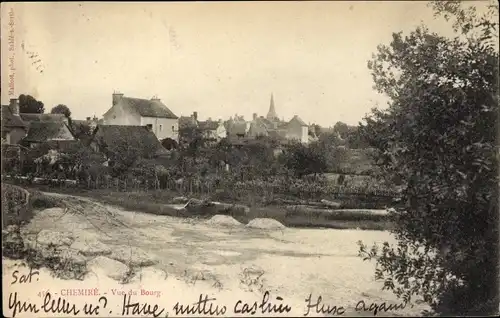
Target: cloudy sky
[(215, 58)]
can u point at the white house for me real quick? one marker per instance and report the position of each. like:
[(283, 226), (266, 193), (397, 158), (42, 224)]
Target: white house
[(153, 113)]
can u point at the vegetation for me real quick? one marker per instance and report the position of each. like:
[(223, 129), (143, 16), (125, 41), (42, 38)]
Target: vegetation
[(438, 139), (61, 109), (28, 104)]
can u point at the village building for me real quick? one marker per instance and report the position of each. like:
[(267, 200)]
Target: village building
[(153, 113), (211, 130), (13, 127), (45, 131), (269, 126), (116, 139)]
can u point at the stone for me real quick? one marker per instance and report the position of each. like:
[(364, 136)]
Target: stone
[(224, 220), (72, 256), (265, 223), (47, 237), (132, 256), (180, 200), (331, 204), (109, 267)]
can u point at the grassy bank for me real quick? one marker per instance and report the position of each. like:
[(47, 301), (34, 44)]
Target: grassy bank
[(157, 202)]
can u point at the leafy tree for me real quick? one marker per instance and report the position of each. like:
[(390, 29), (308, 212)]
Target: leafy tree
[(303, 160), (438, 137), (341, 128), (29, 105), (82, 131), (61, 109), (316, 129)]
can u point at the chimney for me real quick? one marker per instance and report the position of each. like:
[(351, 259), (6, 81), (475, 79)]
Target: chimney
[(14, 106), (155, 98), (195, 115), (254, 116), (88, 118), (116, 97)]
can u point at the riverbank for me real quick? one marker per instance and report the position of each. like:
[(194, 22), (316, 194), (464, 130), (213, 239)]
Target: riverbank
[(160, 201)]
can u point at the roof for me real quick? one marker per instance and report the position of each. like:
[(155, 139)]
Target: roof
[(9, 120), (237, 127), (138, 137), (297, 119), (148, 108), (44, 131), (43, 117), (279, 133), (208, 125), (187, 121)]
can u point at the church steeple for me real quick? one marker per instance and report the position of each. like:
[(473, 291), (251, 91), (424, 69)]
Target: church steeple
[(271, 114)]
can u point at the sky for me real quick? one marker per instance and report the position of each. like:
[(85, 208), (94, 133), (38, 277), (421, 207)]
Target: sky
[(219, 59)]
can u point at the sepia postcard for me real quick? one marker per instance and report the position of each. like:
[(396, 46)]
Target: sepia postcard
[(250, 159)]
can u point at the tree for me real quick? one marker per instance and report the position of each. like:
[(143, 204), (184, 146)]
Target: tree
[(61, 109), (81, 131), (438, 137), (303, 160), (316, 129), (341, 128), (29, 105)]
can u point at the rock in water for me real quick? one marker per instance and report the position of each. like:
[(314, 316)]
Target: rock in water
[(223, 220), (199, 207), (331, 204), (266, 224), (180, 200)]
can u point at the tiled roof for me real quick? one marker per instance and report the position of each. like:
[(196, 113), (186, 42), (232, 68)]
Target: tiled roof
[(44, 131), (134, 137), (297, 119), (43, 117), (148, 108), (11, 121)]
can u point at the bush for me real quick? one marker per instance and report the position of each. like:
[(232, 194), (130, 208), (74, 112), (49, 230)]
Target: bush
[(16, 208)]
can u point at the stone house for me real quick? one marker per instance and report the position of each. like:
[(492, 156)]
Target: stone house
[(153, 113)]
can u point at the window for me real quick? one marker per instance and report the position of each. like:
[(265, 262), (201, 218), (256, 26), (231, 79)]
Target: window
[(161, 126), (150, 126), (173, 128)]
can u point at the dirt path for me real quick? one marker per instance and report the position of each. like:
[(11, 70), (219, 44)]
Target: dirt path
[(184, 258)]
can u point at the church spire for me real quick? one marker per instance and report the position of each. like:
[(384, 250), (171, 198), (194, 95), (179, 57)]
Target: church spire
[(271, 114)]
